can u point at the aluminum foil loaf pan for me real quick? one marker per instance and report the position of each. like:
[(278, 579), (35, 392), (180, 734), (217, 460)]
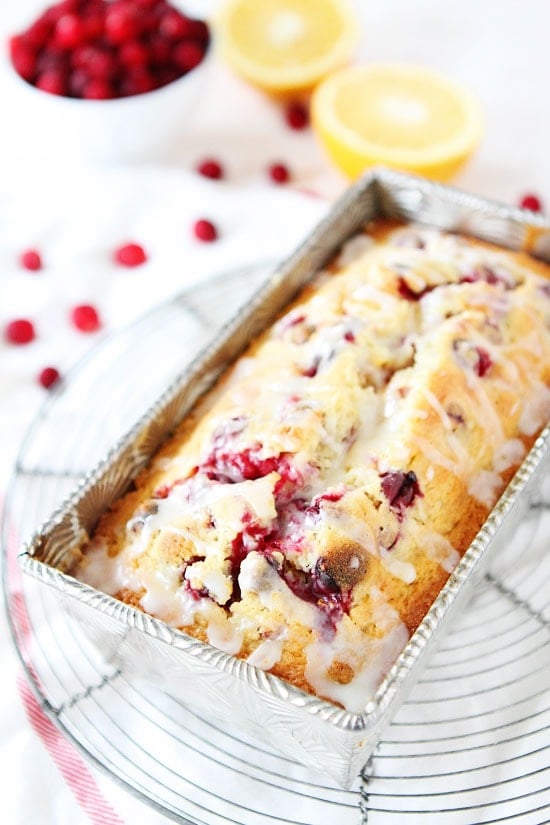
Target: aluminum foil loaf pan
[(313, 731)]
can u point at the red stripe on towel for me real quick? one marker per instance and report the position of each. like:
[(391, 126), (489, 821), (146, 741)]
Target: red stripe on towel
[(71, 766)]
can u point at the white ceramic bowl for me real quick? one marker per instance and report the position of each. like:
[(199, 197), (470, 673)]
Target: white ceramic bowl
[(127, 129)]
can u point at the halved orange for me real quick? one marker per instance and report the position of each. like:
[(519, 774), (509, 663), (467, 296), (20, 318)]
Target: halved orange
[(286, 45), (398, 115)]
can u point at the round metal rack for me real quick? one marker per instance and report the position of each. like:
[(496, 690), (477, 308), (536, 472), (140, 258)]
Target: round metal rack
[(472, 742)]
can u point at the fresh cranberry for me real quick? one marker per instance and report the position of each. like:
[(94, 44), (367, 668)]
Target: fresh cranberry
[(147, 4), (296, 116), (20, 331), (137, 82), (39, 32), (165, 75), (174, 25), (64, 7), (349, 337), (531, 202), (48, 377), (205, 231), (48, 61), (130, 254), (23, 57), (78, 81), (30, 259), (279, 173), (52, 82), (188, 54), (94, 60), (210, 168), (160, 50), (85, 318), (400, 489), (98, 89), (134, 54), (130, 46), (199, 31), (94, 23), (69, 32), (121, 22)]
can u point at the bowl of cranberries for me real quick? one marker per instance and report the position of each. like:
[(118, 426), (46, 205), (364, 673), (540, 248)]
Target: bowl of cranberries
[(115, 79)]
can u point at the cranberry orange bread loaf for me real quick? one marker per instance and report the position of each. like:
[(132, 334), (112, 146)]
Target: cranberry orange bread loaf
[(308, 512)]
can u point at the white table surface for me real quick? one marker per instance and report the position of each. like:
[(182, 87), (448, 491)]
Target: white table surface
[(499, 48)]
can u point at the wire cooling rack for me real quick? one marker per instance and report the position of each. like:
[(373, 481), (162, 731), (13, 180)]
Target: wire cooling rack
[(472, 743)]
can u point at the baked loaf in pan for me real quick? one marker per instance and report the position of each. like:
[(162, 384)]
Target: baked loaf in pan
[(308, 512)]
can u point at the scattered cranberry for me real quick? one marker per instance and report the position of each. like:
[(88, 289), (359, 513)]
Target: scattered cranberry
[(86, 318), (296, 116), (130, 254), (210, 168), (30, 259), (20, 331), (531, 202), (205, 231), (102, 49), (279, 173), (48, 377)]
